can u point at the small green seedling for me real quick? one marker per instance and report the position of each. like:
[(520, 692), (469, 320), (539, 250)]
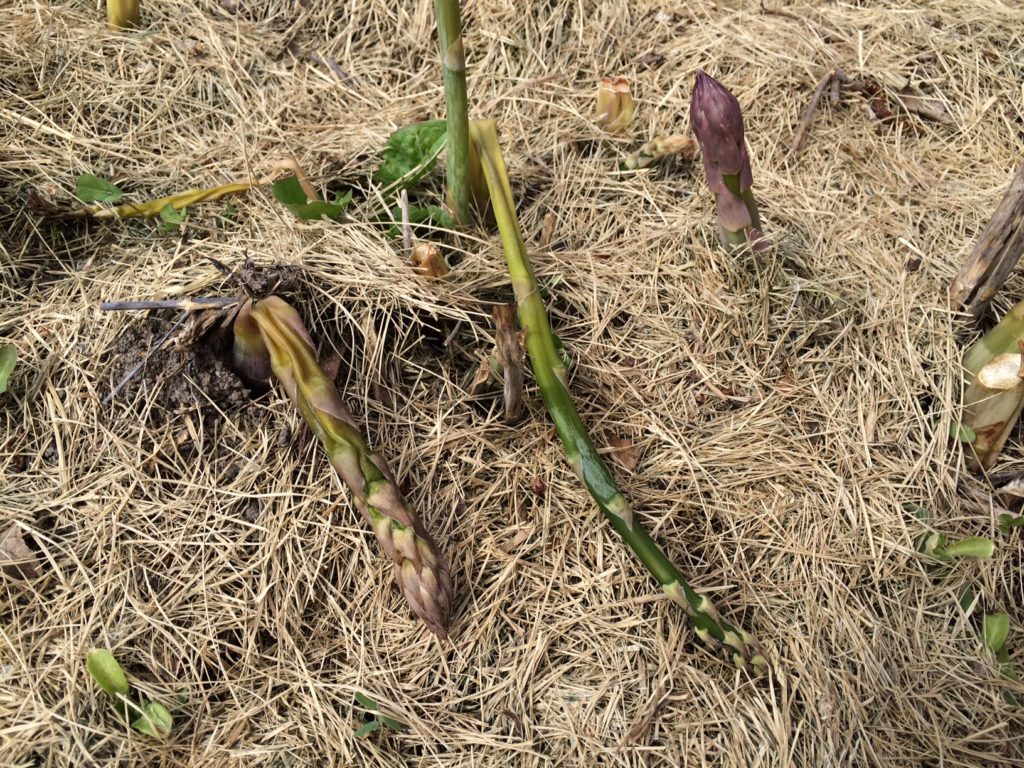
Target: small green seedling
[(288, 191), (376, 722), (995, 629), (92, 189), (147, 717), (171, 218), (962, 432), (8, 357)]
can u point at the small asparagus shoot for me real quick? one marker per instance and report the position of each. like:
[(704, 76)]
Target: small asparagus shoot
[(551, 374), (717, 122), (615, 108)]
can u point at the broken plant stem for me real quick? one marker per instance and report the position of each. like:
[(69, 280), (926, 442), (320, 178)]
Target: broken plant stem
[(551, 375), (420, 569), (453, 63)]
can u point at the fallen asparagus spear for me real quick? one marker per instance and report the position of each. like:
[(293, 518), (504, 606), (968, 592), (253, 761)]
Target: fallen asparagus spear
[(551, 376), (420, 569)]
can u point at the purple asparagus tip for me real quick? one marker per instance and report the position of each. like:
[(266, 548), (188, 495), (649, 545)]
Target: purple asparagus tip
[(717, 122)]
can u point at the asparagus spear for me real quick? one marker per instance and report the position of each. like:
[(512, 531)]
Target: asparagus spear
[(717, 122), (420, 568), (551, 376)]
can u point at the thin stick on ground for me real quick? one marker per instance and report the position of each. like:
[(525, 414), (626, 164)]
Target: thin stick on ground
[(800, 135), (453, 63), (186, 304), (552, 375)]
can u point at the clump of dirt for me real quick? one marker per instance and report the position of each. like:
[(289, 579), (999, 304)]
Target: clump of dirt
[(262, 280), (180, 373)]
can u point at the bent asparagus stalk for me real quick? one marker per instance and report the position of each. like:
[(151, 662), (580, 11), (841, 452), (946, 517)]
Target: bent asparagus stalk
[(551, 375), (420, 568)]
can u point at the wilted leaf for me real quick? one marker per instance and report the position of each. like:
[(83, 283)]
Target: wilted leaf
[(92, 189), (171, 218), (926, 106), (411, 153), (17, 561), (289, 193), (624, 451), (8, 357), (995, 628)]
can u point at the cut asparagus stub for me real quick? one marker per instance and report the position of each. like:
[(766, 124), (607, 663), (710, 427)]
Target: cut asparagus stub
[(552, 375), (992, 406), (1003, 338)]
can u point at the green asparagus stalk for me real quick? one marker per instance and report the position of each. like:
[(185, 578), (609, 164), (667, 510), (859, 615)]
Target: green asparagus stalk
[(123, 14), (453, 63), (551, 375), (420, 569)]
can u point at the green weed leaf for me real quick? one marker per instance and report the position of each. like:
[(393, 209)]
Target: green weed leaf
[(411, 153), (92, 189), (290, 194), (367, 728), (366, 702), (8, 357), (154, 721), (171, 218), (972, 546)]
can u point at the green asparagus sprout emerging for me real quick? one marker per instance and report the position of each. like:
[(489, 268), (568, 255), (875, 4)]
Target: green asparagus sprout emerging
[(420, 569), (551, 375), (146, 716), (717, 122), (453, 63), (123, 14)]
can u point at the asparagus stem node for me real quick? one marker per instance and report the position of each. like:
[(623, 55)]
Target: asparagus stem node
[(551, 374)]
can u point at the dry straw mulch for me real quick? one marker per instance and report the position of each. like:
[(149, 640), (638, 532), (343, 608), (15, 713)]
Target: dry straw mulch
[(778, 410)]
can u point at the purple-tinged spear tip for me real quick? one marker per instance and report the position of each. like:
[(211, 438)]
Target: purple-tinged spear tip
[(717, 122)]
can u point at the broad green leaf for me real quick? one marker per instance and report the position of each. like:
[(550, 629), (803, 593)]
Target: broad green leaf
[(290, 194), (106, 672), (171, 218), (367, 728), (995, 628), (962, 432), (92, 189), (972, 546), (411, 153), (8, 357), (154, 721)]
